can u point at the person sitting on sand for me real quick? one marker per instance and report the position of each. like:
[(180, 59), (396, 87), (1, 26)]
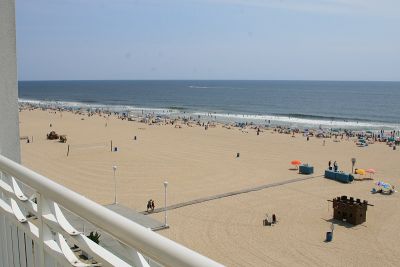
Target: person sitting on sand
[(266, 221)]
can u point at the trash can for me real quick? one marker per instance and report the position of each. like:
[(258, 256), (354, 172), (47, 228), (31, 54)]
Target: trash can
[(329, 236)]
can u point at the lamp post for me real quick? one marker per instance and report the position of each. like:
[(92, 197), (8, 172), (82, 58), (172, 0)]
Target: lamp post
[(115, 185), (353, 162), (165, 203)]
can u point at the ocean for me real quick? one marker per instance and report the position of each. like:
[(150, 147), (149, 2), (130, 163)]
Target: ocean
[(327, 104)]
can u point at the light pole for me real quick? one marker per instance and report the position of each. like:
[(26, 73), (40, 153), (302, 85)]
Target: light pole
[(353, 162), (115, 185), (165, 203)]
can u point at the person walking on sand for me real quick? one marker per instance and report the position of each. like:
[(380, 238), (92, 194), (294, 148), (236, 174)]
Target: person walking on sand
[(148, 205), (152, 205), (274, 221)]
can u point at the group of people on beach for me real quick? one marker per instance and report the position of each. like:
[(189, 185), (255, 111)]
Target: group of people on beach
[(270, 221), (335, 166), (391, 138)]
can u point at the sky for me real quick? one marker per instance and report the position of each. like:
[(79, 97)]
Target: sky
[(208, 39)]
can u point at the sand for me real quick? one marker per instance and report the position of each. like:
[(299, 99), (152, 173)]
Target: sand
[(199, 163)]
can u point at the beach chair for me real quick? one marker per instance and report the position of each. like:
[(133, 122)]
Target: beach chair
[(63, 138), (266, 222)]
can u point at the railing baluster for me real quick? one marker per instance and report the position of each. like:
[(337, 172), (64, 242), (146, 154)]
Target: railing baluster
[(137, 258), (3, 242), (40, 251)]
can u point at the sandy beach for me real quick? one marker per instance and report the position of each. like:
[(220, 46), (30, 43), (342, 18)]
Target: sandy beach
[(199, 163)]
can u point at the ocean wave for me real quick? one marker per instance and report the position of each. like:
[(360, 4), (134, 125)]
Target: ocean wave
[(90, 106), (301, 121), (213, 87), (294, 120), (176, 108), (320, 117), (199, 87)]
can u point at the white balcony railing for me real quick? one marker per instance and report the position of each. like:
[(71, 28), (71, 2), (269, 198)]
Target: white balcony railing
[(35, 232)]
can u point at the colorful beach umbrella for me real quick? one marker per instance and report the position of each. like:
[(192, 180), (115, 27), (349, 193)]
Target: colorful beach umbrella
[(370, 171), (360, 171), (296, 162)]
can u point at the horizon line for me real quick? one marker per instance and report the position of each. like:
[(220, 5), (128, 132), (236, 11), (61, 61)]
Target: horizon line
[(272, 80)]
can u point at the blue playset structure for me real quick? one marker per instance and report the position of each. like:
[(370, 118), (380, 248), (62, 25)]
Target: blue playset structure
[(339, 176)]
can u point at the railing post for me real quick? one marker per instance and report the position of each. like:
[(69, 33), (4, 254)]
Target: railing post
[(9, 130)]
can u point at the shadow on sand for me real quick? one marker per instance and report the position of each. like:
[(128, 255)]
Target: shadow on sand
[(343, 223)]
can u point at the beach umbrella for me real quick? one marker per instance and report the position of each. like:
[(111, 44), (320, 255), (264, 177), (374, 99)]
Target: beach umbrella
[(296, 162), (370, 171), (360, 171)]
